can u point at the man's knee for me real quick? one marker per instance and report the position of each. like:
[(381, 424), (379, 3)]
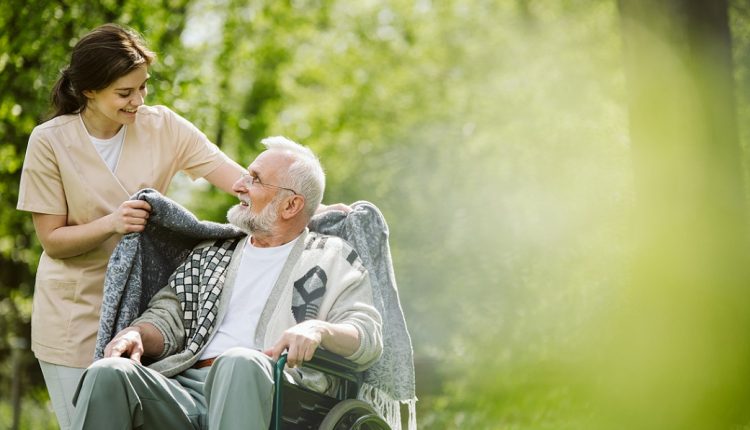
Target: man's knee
[(108, 371), (244, 361), (113, 366)]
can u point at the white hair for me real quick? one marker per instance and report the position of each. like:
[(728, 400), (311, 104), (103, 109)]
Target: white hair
[(305, 174)]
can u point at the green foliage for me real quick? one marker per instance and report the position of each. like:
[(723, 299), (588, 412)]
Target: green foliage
[(37, 413), (34, 45), (492, 134)]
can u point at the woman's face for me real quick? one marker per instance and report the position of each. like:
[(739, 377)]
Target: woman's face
[(117, 104)]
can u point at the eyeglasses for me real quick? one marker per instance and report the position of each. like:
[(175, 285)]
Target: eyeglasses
[(249, 180)]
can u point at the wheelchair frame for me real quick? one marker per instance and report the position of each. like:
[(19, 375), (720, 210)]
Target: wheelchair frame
[(296, 407)]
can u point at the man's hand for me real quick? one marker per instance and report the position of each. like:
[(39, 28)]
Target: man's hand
[(300, 342), (127, 342)]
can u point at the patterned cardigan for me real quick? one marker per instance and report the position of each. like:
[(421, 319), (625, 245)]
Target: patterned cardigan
[(323, 279)]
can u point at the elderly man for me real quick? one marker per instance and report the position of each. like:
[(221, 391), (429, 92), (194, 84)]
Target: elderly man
[(233, 307)]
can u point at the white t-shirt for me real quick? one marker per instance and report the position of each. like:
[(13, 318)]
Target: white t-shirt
[(257, 274), (109, 149)]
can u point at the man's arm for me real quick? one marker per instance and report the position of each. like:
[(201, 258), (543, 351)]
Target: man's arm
[(301, 341), (135, 342), (159, 331), (352, 326)]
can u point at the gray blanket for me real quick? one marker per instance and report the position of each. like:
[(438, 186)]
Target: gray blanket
[(142, 263), (366, 230)]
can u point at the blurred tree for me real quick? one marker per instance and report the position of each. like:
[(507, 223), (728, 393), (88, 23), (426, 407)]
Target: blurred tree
[(739, 18), (678, 347)]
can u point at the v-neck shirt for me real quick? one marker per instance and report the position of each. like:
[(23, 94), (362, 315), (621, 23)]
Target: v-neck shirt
[(109, 149)]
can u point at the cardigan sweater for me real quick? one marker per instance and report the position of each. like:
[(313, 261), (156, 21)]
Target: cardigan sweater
[(347, 299)]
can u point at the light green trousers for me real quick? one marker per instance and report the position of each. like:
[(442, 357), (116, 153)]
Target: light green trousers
[(235, 393), (61, 382)]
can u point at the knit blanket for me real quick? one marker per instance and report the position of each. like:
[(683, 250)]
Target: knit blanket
[(390, 381), (142, 262)]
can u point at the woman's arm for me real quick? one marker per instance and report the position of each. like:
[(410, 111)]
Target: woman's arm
[(224, 176), (61, 240)]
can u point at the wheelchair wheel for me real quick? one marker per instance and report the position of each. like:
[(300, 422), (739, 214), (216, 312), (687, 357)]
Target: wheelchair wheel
[(353, 414)]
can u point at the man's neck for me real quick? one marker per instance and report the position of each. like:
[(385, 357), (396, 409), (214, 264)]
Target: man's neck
[(269, 240)]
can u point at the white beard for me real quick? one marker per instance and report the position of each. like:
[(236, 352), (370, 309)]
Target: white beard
[(242, 217)]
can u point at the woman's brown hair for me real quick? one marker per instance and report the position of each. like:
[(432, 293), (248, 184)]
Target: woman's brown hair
[(102, 56)]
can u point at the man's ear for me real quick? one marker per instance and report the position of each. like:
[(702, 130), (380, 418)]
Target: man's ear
[(293, 206)]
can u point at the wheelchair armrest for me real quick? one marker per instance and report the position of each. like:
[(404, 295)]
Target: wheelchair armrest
[(328, 362)]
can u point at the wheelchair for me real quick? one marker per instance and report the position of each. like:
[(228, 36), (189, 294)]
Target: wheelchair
[(296, 407)]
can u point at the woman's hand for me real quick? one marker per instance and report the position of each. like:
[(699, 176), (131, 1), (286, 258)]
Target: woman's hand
[(341, 207), (130, 217)]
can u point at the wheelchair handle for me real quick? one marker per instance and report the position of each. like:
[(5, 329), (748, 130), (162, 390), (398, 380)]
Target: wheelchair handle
[(323, 361), (278, 374)]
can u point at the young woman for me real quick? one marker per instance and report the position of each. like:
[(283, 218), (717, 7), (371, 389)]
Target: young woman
[(102, 145)]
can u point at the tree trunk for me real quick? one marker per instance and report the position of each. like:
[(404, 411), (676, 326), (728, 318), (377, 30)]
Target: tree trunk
[(680, 345)]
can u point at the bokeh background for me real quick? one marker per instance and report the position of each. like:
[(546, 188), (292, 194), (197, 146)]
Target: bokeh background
[(564, 180)]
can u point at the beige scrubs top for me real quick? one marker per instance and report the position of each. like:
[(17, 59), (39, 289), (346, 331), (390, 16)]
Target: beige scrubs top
[(63, 174)]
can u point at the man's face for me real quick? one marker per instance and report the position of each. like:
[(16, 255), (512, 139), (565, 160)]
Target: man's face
[(258, 210), (242, 216)]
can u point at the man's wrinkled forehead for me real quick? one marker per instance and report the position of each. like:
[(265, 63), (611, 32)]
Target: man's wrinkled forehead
[(270, 163)]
